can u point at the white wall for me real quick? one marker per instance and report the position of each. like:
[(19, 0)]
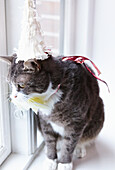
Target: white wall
[(104, 39), (104, 56)]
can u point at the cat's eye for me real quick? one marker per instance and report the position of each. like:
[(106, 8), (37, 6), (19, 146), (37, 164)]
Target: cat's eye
[(21, 85)]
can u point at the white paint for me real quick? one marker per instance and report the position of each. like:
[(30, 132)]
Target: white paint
[(57, 128), (67, 166), (50, 97)]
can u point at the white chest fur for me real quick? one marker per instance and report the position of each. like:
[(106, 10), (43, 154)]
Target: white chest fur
[(49, 98), (57, 129)]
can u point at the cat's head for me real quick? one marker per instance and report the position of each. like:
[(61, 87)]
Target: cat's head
[(34, 82), (27, 76)]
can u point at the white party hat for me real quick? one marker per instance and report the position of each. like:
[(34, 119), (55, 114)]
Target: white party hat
[(31, 44)]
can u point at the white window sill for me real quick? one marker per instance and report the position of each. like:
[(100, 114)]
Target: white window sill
[(20, 162), (14, 161)]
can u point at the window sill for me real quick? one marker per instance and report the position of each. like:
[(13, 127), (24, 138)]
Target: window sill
[(20, 161)]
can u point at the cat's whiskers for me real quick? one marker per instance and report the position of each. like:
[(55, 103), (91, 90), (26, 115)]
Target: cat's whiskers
[(8, 99), (4, 77), (5, 94)]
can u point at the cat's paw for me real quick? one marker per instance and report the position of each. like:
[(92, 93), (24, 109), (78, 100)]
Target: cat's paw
[(80, 152), (50, 164), (67, 166)]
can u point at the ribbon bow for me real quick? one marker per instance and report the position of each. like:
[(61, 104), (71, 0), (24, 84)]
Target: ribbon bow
[(81, 60)]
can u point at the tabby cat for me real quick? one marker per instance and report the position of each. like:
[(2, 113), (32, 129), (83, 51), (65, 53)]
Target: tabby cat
[(70, 108)]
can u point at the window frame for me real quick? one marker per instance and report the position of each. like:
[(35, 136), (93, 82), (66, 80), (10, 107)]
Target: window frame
[(4, 107), (6, 148)]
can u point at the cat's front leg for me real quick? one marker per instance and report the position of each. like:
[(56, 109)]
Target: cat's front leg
[(51, 160), (50, 143), (65, 161), (71, 137)]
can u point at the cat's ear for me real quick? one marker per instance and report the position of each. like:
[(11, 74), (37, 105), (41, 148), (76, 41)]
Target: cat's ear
[(8, 59), (32, 65)]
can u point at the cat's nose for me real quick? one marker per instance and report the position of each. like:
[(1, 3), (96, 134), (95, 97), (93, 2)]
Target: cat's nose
[(15, 96)]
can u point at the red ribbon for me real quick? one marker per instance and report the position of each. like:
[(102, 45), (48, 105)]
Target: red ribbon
[(81, 60)]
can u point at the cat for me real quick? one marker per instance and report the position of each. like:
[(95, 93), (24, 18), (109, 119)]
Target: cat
[(74, 112)]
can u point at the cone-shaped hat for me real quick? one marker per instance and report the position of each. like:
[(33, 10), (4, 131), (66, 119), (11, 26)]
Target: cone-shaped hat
[(31, 44)]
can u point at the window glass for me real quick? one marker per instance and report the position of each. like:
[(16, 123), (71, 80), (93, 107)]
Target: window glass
[(49, 10)]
